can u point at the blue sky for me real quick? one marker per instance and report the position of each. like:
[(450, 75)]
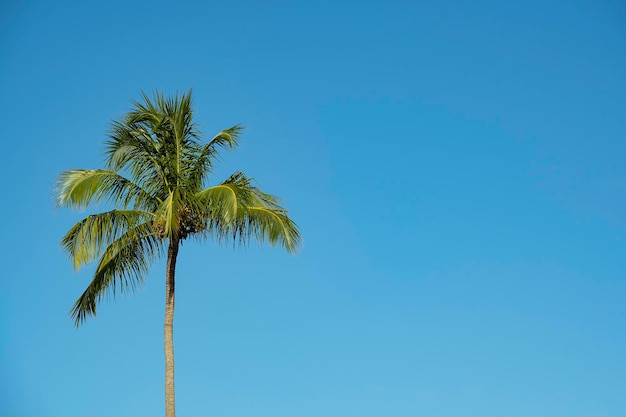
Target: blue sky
[(457, 169)]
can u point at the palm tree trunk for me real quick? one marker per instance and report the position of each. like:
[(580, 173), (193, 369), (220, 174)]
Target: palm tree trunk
[(168, 328)]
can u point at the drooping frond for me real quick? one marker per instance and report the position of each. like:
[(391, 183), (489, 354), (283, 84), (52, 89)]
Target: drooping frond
[(226, 139), (221, 202), (78, 188), (237, 209), (122, 267), (271, 225), (87, 240)]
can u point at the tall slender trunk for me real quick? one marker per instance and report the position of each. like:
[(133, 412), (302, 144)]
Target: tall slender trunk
[(168, 328)]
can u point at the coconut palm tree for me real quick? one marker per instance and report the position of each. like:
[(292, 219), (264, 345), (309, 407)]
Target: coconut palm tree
[(155, 181)]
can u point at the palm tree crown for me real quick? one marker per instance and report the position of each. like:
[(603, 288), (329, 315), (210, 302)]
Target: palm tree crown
[(156, 178)]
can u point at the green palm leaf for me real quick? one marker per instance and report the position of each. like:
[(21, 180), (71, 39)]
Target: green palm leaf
[(87, 240), (122, 267), (236, 208), (81, 187)]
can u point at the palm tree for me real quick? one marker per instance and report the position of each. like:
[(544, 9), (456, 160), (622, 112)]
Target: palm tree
[(156, 182)]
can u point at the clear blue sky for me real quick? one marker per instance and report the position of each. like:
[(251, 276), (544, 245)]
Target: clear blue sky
[(457, 169)]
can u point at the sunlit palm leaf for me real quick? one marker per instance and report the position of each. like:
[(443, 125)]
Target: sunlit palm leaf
[(87, 240), (237, 209), (81, 187), (268, 224), (122, 267)]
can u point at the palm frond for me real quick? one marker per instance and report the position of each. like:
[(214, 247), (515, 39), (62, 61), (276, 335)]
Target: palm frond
[(203, 158), (78, 188), (135, 149), (220, 203), (226, 139), (271, 225), (122, 267), (87, 240), (157, 142), (239, 210)]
